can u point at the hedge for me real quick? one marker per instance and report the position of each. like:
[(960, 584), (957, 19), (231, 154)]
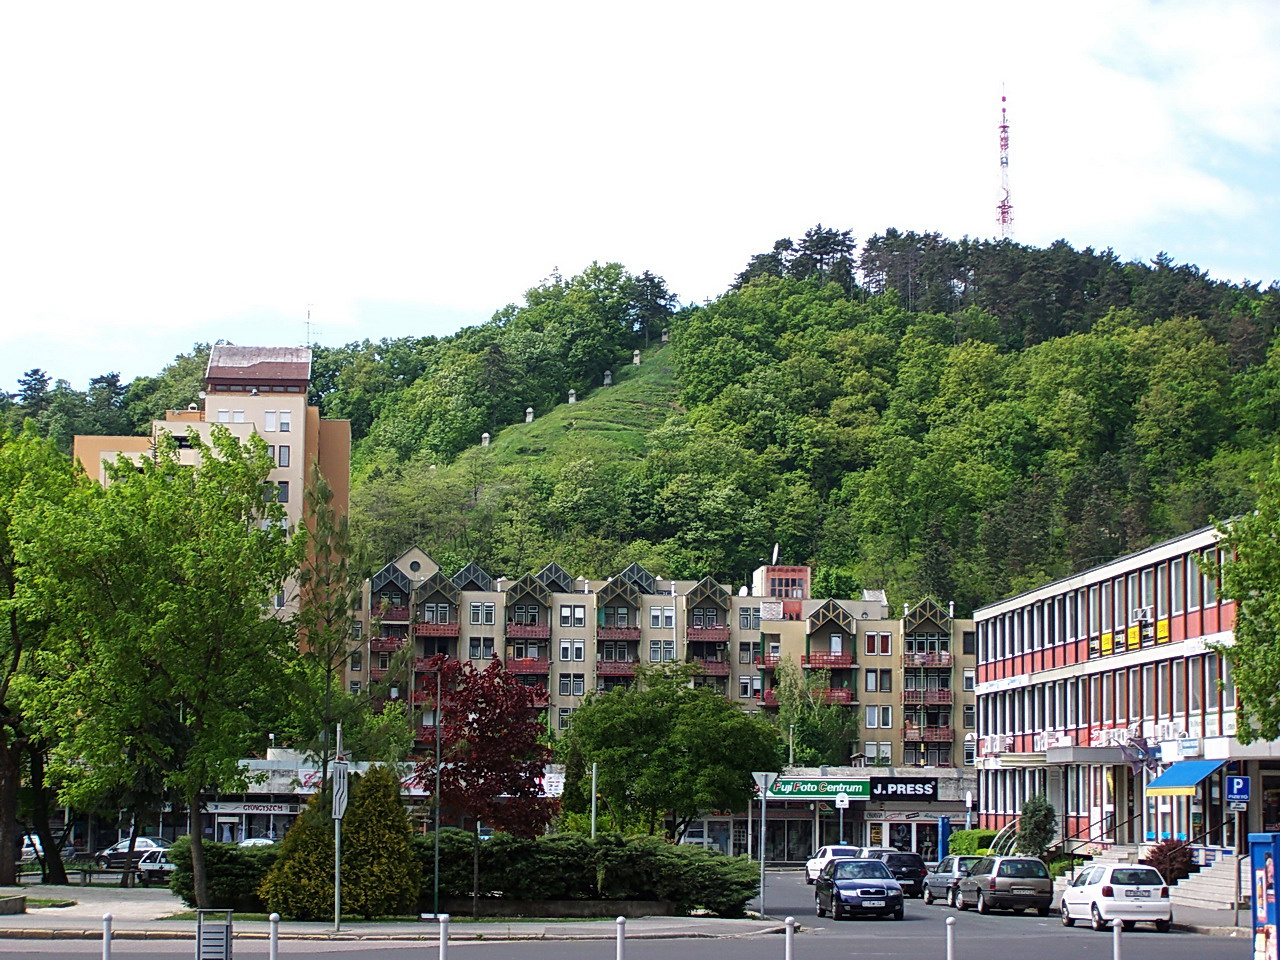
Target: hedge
[(234, 873), (970, 842)]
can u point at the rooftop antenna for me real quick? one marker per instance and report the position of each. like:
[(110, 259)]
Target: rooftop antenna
[(310, 330), (1005, 206)]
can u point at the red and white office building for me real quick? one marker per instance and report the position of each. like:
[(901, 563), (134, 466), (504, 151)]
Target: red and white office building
[(1104, 692)]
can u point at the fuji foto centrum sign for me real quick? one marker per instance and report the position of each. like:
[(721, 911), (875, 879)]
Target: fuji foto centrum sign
[(788, 788)]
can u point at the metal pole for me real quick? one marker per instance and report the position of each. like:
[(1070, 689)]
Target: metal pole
[(435, 886), (595, 771), (951, 938), (763, 796), (444, 935), (621, 937), (791, 745), (842, 824), (1116, 926), (106, 936), (273, 950), (337, 854), (790, 943), (1235, 922)]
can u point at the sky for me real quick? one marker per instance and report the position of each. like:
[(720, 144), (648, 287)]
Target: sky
[(174, 173)]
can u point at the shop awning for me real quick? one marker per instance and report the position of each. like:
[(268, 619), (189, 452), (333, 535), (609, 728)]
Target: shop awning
[(1181, 779)]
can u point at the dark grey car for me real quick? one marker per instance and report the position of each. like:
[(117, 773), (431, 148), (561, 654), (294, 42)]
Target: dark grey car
[(1006, 883), (940, 884)]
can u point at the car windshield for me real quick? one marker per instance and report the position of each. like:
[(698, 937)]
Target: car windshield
[(1130, 877), (862, 870), (843, 852), (1023, 868)]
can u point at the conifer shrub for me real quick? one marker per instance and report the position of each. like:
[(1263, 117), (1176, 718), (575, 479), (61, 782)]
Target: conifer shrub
[(1036, 825), (299, 885), (455, 863), (380, 875), (234, 872)]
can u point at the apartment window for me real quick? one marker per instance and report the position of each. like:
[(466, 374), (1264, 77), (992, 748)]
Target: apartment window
[(616, 616), (284, 421), (572, 616), (706, 617), (237, 416), (1177, 578), (566, 714), (615, 651), (357, 630), (282, 455), (224, 416), (526, 614), (662, 617), (282, 491), (477, 611), (662, 650), (1193, 584), (572, 684), (1162, 591), (1210, 582), (269, 421), (879, 717), (876, 644), (434, 613), (355, 686), (481, 648), (969, 643), (572, 649), (280, 601), (969, 716), (748, 687), (749, 618), (879, 681), (970, 753), (748, 650), (969, 678)]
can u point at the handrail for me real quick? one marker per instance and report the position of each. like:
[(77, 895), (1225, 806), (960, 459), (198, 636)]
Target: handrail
[(1007, 835), (1088, 828)]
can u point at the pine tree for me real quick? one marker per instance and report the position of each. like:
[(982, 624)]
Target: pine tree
[(380, 875), (1036, 826), (300, 883)]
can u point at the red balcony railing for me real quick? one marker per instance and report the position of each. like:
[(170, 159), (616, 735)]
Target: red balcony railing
[(941, 659), (529, 666), (927, 734), (828, 661), (710, 668), (618, 633), (424, 696), (387, 613), (386, 644), (615, 668), (769, 698), (528, 631), (436, 629), (769, 661), (838, 695), (377, 673), (425, 736), (926, 696), (716, 633)]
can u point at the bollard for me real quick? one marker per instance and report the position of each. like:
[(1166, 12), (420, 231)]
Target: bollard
[(951, 938), (622, 937), (1116, 926), (444, 936), (789, 944), (273, 951), (106, 936)]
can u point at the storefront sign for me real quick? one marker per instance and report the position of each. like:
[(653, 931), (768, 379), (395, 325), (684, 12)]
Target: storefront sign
[(236, 807), (788, 788), (904, 788)]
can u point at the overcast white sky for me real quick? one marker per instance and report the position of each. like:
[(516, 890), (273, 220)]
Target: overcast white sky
[(175, 172)]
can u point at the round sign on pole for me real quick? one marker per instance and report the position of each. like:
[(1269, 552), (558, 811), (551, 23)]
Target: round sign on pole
[(842, 801)]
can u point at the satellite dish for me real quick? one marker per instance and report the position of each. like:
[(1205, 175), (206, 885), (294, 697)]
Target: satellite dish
[(201, 394), (742, 590)]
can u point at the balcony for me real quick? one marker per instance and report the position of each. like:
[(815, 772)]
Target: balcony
[(931, 697), (714, 633), (828, 661), (630, 634), (529, 666), (528, 631), (424, 696), (425, 736), (710, 668), (769, 698), (941, 659), (837, 695), (436, 629), (377, 673), (769, 661), (927, 735), (386, 644), (389, 614), (615, 668)]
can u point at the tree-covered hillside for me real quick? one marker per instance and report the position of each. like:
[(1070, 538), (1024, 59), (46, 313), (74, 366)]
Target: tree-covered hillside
[(954, 418)]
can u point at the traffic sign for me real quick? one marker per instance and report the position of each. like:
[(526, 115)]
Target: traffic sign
[(1238, 805), (338, 771), (842, 801), (1237, 789)]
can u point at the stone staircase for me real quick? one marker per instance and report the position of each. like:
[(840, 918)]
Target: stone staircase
[(1214, 887)]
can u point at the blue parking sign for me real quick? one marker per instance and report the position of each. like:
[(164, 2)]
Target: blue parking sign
[(1237, 789)]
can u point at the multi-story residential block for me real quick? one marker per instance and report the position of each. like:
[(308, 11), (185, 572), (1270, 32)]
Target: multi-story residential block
[(1105, 692), (909, 680)]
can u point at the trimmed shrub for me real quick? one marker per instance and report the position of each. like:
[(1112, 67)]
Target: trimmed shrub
[(1172, 858), (1036, 826), (299, 885), (455, 863), (970, 842), (235, 873), (379, 875)]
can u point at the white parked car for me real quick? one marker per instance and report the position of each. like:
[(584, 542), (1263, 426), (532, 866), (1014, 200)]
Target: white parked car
[(814, 867), (256, 842), (1131, 893)]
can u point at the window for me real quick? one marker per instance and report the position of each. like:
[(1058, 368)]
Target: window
[(662, 650), (1177, 578), (749, 618), (481, 648), (355, 686), (969, 643), (357, 661), (748, 687), (706, 617), (969, 677), (1210, 582), (572, 684), (284, 421), (282, 491), (579, 650), (477, 611), (565, 714), (280, 601), (434, 613), (357, 630), (566, 649), (879, 681), (616, 616), (970, 753), (282, 455), (224, 416), (526, 614), (970, 716), (662, 617), (748, 650), (879, 717), (269, 421), (572, 616), (237, 416)]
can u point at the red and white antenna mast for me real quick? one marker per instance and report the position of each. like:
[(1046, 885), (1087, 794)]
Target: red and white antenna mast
[(1005, 206)]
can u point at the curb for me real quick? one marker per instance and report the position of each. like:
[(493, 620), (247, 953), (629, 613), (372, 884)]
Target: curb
[(37, 933), (1213, 931)]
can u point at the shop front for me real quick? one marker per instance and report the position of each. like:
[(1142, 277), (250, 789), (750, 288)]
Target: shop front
[(904, 812)]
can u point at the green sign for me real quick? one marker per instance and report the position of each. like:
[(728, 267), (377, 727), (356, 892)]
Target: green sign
[(786, 788)]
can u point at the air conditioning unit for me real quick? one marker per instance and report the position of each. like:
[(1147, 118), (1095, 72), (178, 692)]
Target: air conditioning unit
[(1141, 614)]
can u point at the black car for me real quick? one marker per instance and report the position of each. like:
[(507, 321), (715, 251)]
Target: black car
[(855, 887), (117, 855), (908, 869), (941, 883)]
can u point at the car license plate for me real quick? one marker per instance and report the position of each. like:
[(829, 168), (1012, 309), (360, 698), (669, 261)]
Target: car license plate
[(873, 903), (1023, 890), (1138, 893)]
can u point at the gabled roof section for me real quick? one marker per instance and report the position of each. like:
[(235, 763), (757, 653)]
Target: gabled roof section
[(472, 577), (437, 585), (639, 577), (229, 362), (393, 575), (528, 587), (925, 613), (832, 613), (708, 591), (555, 578), (618, 592)]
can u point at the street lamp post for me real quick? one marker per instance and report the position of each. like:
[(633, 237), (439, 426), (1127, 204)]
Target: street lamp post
[(764, 780), (435, 886)]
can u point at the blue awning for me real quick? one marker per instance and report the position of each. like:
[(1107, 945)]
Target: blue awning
[(1181, 779)]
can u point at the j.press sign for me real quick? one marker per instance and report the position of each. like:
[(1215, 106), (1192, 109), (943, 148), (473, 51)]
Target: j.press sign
[(795, 788), (904, 788)]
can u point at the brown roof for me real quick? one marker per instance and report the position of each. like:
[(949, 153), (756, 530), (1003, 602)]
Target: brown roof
[(228, 362)]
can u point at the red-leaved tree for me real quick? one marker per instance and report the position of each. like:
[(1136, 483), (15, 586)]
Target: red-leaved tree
[(491, 760)]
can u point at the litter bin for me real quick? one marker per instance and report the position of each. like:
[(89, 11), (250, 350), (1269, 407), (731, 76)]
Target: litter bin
[(213, 935)]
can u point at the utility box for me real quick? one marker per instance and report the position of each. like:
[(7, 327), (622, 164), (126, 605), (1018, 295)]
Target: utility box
[(213, 935), (1264, 851)]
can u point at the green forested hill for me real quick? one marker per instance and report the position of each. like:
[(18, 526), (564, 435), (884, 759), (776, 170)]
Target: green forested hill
[(953, 418)]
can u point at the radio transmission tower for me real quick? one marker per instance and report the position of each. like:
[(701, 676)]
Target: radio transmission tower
[(1005, 206)]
